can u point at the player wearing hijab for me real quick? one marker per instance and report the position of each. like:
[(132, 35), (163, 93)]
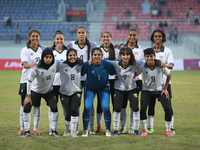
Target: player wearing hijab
[(30, 55), (70, 89), (97, 83), (39, 86), (83, 47), (59, 52)]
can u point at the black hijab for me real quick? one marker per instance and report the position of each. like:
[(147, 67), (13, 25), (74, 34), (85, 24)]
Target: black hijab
[(67, 61), (42, 64)]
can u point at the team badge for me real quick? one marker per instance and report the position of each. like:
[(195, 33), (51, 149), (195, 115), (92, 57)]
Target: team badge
[(66, 70), (42, 73), (31, 54), (158, 71), (53, 70), (105, 70), (92, 71), (78, 95), (161, 57), (146, 72), (136, 53), (119, 70), (135, 95)]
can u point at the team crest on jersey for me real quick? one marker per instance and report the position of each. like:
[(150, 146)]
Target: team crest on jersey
[(136, 53), (161, 57), (53, 70), (31, 54), (55, 55), (66, 70), (146, 72), (105, 70), (119, 70), (158, 71), (92, 71)]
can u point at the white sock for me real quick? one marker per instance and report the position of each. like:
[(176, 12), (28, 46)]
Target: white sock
[(150, 121), (172, 123), (92, 119), (99, 115), (168, 125), (54, 119), (67, 124), (27, 120), (36, 116), (123, 118), (49, 114), (136, 120), (74, 122), (21, 118), (131, 119), (144, 124), (116, 117)]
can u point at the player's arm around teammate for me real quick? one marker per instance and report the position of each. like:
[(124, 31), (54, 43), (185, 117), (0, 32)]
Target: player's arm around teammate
[(39, 86), (158, 37), (97, 83), (30, 55), (125, 88)]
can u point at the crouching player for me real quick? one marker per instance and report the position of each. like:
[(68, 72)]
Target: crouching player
[(152, 87)]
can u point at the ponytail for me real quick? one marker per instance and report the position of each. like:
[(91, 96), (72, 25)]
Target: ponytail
[(111, 52), (88, 48)]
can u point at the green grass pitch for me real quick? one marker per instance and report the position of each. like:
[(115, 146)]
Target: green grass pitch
[(186, 103)]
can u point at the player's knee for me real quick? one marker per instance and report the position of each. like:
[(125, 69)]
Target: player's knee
[(74, 112), (54, 108), (27, 108), (105, 107)]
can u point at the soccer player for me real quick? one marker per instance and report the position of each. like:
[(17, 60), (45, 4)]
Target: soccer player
[(39, 86), (137, 50), (97, 83), (83, 47), (109, 53), (153, 87), (125, 88), (59, 52), (30, 55), (70, 89), (163, 53)]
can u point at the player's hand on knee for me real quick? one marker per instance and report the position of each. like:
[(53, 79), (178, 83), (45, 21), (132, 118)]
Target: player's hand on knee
[(166, 93), (27, 100)]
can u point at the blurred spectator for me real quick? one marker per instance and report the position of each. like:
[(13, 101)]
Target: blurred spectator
[(169, 13), (151, 28), (165, 26), (154, 12), (72, 29), (123, 26), (128, 25), (190, 14), (118, 26), (175, 35), (160, 26), (171, 32), (17, 35), (29, 29), (128, 13), (160, 12), (196, 21), (9, 22)]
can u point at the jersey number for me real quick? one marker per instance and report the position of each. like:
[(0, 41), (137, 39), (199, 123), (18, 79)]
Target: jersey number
[(72, 77), (153, 78), (124, 76), (48, 77)]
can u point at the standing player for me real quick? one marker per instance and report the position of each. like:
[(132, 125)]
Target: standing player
[(165, 54), (97, 83), (153, 87), (109, 53), (125, 88), (137, 50), (39, 86), (59, 52), (70, 89), (30, 55), (83, 47)]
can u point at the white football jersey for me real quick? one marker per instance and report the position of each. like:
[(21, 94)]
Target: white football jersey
[(124, 81), (70, 78), (165, 54), (61, 56), (30, 56), (138, 52), (152, 77), (82, 52), (42, 79), (106, 55)]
